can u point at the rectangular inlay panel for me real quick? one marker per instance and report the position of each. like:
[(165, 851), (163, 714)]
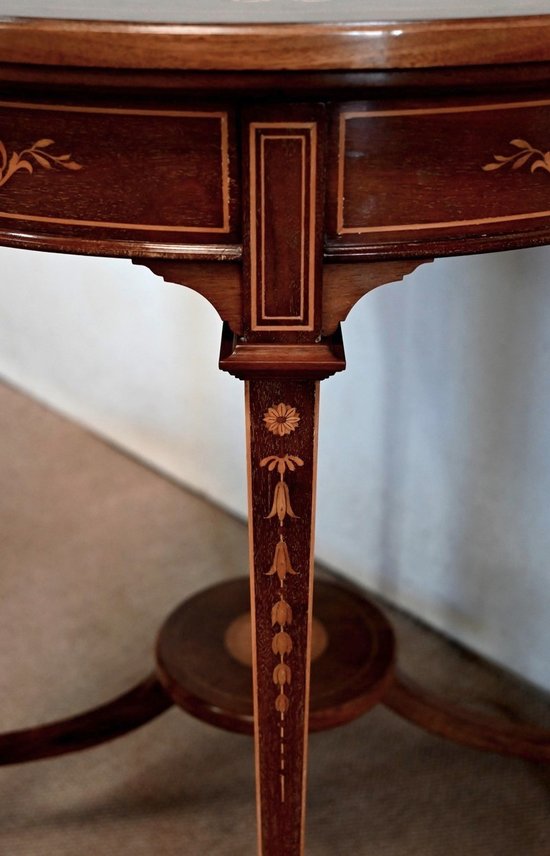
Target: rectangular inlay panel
[(96, 169), (283, 171), (431, 168)]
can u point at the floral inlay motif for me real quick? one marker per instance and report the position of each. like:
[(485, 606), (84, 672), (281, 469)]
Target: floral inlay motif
[(281, 561), (281, 498), (26, 159), (525, 153), (282, 462), (281, 419), (281, 615)]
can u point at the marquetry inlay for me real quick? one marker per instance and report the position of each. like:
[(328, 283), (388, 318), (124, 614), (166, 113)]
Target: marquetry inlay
[(281, 419), (356, 144), (283, 176), (214, 127), (238, 639), (525, 154), (36, 155)]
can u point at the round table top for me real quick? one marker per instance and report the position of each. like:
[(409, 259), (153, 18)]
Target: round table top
[(304, 35)]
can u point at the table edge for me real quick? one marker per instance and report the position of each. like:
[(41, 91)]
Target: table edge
[(276, 47)]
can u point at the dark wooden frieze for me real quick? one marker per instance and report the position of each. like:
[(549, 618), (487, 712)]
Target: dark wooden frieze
[(413, 176), (97, 172)]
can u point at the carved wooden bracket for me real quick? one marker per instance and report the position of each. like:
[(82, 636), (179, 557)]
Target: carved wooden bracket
[(220, 282), (345, 284)]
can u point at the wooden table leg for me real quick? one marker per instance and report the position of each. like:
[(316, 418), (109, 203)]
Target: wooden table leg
[(282, 447), (281, 355)]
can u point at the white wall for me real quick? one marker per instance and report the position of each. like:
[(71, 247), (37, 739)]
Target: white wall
[(434, 471)]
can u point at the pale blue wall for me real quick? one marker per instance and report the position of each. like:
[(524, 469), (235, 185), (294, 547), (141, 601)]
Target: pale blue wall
[(434, 470)]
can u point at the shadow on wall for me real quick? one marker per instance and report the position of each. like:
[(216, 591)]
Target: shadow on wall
[(434, 474), (444, 421)]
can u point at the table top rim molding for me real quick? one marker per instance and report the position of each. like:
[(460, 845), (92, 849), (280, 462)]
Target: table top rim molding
[(295, 46)]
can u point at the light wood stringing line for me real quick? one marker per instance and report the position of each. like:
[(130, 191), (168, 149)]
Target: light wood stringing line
[(302, 140), (310, 609), (251, 565), (123, 111), (259, 126)]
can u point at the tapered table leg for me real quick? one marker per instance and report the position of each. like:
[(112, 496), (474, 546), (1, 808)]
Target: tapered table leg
[(282, 446)]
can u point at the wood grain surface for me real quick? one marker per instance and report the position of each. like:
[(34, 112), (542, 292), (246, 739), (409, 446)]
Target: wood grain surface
[(298, 35), (135, 171), (114, 719), (458, 165), (282, 419), (465, 725), (280, 139), (219, 282), (351, 673)]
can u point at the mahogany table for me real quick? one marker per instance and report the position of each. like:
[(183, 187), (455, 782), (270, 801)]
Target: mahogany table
[(282, 159)]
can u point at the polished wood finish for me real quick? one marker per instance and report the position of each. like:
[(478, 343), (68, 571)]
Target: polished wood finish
[(466, 726), (129, 711), (292, 85), (248, 360), (220, 284), (282, 419), (442, 157), (345, 285), (166, 174), (282, 160), (238, 639), (284, 199), (275, 44), (112, 197), (351, 670), (283, 181)]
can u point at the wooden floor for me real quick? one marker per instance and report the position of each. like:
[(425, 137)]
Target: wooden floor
[(95, 550)]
